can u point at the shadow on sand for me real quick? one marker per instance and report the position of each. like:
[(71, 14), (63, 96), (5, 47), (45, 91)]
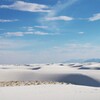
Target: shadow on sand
[(87, 68), (79, 79), (37, 68)]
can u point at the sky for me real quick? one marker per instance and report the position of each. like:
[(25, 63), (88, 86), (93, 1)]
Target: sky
[(49, 31)]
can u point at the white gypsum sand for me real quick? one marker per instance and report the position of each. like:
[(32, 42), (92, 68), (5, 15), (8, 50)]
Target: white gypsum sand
[(54, 72), (50, 92), (85, 77)]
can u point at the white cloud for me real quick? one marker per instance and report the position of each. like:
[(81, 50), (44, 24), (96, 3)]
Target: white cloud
[(95, 17), (79, 46), (7, 20), (25, 33), (14, 34), (40, 33), (29, 28), (25, 6), (80, 33), (42, 27), (64, 18)]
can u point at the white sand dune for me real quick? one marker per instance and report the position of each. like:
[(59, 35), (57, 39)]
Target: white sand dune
[(86, 82), (53, 72), (50, 92)]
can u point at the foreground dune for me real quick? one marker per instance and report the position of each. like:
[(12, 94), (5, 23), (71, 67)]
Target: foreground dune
[(44, 82), (50, 92)]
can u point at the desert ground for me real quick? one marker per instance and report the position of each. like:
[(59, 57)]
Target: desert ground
[(61, 81)]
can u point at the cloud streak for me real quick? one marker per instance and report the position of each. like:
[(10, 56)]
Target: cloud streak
[(60, 6), (64, 18), (7, 20), (42, 27), (20, 34), (81, 33)]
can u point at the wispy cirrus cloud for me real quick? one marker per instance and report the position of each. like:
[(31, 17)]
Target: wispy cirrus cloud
[(19, 34), (42, 27), (14, 33), (29, 28), (41, 33), (95, 17), (8, 20), (25, 6), (60, 6), (81, 33), (33, 28), (51, 19)]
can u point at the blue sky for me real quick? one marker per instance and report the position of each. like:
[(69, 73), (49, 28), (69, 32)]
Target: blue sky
[(44, 31)]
